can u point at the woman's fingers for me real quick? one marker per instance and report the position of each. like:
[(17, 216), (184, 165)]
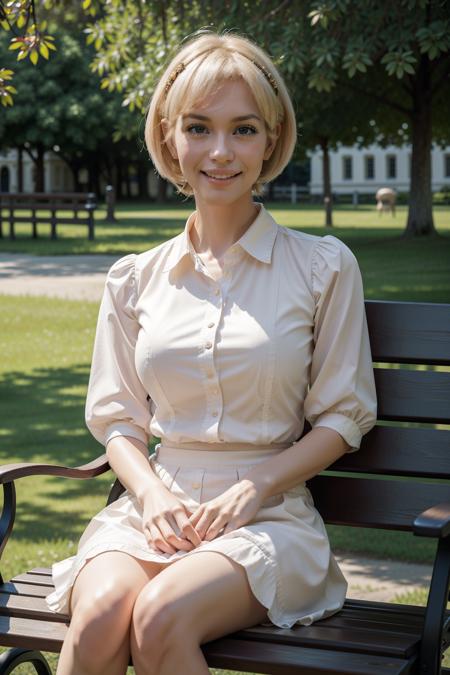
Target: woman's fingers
[(187, 530), (216, 528), (155, 539)]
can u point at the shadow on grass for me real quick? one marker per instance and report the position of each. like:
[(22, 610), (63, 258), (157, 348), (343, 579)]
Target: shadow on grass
[(43, 421), (43, 416)]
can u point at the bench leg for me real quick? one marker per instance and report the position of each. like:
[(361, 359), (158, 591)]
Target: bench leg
[(14, 657)]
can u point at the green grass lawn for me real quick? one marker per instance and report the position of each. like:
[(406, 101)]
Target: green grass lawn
[(46, 348), (392, 267)]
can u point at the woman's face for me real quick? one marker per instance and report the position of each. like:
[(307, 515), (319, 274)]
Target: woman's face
[(221, 145)]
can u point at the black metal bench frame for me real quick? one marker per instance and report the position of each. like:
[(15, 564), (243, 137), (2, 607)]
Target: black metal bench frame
[(364, 638)]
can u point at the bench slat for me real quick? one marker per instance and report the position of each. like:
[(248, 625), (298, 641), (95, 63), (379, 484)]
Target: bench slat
[(42, 635), (413, 395), (28, 607), (409, 332), (287, 660), (401, 451), (35, 579), (387, 504), (45, 571), (340, 638), (25, 589)]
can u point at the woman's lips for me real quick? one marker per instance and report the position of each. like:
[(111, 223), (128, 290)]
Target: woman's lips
[(220, 179)]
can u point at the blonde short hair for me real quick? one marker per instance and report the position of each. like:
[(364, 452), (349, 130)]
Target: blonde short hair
[(209, 59)]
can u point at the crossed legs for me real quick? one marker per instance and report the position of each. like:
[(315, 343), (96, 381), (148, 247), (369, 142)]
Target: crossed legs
[(158, 614)]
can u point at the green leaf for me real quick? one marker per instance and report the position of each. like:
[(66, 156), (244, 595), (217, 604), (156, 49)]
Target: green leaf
[(34, 56), (43, 50)]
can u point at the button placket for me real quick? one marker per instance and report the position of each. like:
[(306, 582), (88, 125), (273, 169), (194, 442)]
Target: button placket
[(214, 403)]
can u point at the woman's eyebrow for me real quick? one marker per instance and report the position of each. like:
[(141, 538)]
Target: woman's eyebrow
[(240, 118)]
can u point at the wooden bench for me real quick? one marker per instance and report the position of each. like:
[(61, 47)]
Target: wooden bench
[(384, 485), (46, 208)]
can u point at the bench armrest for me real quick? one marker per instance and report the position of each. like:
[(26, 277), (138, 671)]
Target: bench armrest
[(434, 522), (9, 472)]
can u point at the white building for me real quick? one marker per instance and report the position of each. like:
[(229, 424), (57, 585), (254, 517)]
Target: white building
[(364, 170)]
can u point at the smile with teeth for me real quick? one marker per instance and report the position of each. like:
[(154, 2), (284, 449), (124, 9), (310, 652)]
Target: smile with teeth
[(216, 177)]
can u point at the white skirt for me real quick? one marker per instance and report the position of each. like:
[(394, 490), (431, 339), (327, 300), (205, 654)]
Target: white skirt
[(284, 550)]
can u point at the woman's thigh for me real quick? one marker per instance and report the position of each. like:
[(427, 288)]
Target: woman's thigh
[(112, 575), (207, 593)]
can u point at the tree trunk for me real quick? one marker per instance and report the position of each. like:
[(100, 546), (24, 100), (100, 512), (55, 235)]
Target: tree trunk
[(39, 183), (326, 178), (162, 189), (420, 214), (119, 191), (19, 169), (142, 179)]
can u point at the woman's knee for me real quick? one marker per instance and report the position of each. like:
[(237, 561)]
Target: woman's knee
[(100, 623), (158, 622)]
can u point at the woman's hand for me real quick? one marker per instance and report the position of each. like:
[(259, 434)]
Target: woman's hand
[(166, 522), (232, 509)]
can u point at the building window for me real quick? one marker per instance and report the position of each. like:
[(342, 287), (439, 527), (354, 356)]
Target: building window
[(391, 166), (447, 166), (347, 168), (369, 167)]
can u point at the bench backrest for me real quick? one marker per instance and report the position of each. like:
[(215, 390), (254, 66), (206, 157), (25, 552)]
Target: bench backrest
[(411, 353), (45, 200)]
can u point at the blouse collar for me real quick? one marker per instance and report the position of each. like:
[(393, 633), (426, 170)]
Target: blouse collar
[(258, 240)]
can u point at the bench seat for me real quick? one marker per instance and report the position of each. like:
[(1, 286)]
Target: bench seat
[(365, 637)]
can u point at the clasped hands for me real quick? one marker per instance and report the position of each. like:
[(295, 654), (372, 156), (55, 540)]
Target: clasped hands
[(169, 526)]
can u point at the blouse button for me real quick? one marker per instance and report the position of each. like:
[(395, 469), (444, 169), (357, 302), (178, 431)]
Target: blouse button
[(196, 486), (208, 345), (215, 413), (211, 325), (217, 292)]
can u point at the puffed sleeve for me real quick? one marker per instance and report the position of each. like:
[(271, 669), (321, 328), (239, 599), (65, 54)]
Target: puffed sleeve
[(342, 393), (117, 402)]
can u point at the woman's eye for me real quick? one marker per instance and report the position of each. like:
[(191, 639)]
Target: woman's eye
[(246, 130), (196, 129)]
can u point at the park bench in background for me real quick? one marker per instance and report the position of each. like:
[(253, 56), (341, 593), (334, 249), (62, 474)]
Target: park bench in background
[(40, 207), (385, 485)]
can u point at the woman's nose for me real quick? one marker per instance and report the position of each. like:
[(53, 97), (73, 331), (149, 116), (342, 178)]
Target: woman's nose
[(220, 148)]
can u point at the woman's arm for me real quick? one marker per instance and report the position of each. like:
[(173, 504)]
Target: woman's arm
[(302, 461), (240, 503), (164, 517)]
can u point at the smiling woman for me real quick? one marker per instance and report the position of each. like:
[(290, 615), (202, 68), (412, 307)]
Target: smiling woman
[(221, 342)]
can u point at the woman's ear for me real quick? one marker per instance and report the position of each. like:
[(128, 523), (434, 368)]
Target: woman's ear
[(168, 137), (272, 139)]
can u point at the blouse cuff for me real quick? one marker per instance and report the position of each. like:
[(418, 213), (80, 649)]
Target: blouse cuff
[(124, 429), (346, 427)]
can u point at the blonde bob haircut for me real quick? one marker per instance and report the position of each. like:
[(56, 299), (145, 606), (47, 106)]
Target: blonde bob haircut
[(209, 59)]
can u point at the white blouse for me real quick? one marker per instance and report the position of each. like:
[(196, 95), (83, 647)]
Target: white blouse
[(237, 361)]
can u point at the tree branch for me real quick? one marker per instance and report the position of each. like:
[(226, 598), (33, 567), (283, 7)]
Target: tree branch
[(275, 11)]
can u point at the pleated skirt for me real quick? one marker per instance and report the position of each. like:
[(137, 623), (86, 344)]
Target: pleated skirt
[(284, 550)]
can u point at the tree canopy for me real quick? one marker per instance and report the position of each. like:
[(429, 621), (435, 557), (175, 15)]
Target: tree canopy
[(391, 58)]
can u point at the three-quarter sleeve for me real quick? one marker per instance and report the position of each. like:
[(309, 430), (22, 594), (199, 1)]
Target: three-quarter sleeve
[(341, 392), (117, 403)]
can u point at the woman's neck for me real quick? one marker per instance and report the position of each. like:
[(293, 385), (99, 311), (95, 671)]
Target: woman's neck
[(216, 228)]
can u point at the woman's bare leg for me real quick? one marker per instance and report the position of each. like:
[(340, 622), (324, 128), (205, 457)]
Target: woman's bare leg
[(102, 601), (196, 599)]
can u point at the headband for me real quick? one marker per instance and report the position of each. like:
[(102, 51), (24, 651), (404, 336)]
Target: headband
[(181, 66)]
